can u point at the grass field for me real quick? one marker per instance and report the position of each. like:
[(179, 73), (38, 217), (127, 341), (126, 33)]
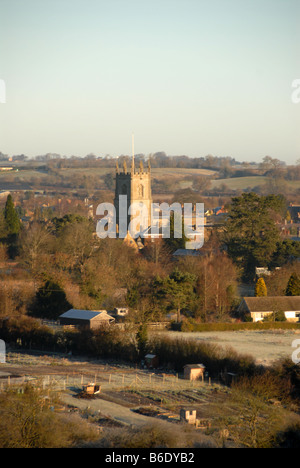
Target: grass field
[(240, 183), (243, 183)]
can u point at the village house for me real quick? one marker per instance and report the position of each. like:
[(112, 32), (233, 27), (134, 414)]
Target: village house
[(261, 307), (294, 211)]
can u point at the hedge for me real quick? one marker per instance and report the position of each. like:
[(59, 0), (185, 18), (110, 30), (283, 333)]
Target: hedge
[(206, 327)]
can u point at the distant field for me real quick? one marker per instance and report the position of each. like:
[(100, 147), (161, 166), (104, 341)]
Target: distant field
[(180, 172), (21, 174), (183, 178), (158, 173), (241, 183), (100, 171)]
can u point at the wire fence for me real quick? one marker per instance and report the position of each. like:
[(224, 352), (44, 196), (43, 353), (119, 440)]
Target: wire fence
[(109, 380)]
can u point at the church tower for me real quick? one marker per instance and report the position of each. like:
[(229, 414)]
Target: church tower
[(135, 186)]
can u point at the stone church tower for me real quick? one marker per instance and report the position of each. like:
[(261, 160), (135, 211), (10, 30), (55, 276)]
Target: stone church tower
[(135, 185)]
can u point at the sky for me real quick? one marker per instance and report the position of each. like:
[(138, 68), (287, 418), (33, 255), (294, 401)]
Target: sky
[(193, 77)]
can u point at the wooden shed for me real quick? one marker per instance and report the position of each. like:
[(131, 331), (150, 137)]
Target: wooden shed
[(194, 371), (90, 319), (151, 361)]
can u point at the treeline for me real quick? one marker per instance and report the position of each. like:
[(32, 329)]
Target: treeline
[(158, 159), (112, 343)]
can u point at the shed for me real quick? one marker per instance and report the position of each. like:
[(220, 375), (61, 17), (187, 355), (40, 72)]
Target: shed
[(90, 319), (188, 415), (151, 361), (194, 371)]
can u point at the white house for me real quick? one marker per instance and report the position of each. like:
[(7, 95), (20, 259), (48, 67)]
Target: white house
[(260, 307)]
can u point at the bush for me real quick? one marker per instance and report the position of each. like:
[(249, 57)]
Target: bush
[(156, 435), (26, 421)]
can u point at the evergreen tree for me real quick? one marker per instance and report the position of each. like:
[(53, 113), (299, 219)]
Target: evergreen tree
[(50, 301), (142, 340), (251, 234), (177, 290), (12, 222), (177, 238), (293, 286), (260, 288)]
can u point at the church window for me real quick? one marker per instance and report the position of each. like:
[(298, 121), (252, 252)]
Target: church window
[(141, 191)]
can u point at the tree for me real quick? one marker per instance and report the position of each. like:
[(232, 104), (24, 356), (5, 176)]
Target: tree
[(27, 421), (11, 217), (216, 285), (34, 241), (260, 288), (251, 234), (250, 398), (142, 339), (177, 290), (293, 286), (177, 240), (285, 251), (50, 301), (75, 238)]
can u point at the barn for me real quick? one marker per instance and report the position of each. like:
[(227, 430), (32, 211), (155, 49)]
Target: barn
[(90, 319)]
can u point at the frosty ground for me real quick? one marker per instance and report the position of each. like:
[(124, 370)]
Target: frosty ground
[(265, 346)]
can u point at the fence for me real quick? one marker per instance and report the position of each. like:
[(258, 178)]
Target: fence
[(108, 379)]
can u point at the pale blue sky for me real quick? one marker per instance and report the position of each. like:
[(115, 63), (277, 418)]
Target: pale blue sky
[(187, 77)]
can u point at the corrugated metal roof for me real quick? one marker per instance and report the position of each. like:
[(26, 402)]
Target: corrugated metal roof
[(82, 314)]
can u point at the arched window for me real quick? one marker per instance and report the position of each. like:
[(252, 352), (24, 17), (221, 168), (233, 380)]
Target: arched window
[(141, 191)]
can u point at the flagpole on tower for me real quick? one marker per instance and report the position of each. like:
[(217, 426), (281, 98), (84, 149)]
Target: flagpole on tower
[(132, 152)]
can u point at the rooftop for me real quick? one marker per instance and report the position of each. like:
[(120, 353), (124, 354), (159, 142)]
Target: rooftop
[(82, 314), (267, 304)]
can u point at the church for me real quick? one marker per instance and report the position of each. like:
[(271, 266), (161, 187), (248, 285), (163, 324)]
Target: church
[(133, 189)]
